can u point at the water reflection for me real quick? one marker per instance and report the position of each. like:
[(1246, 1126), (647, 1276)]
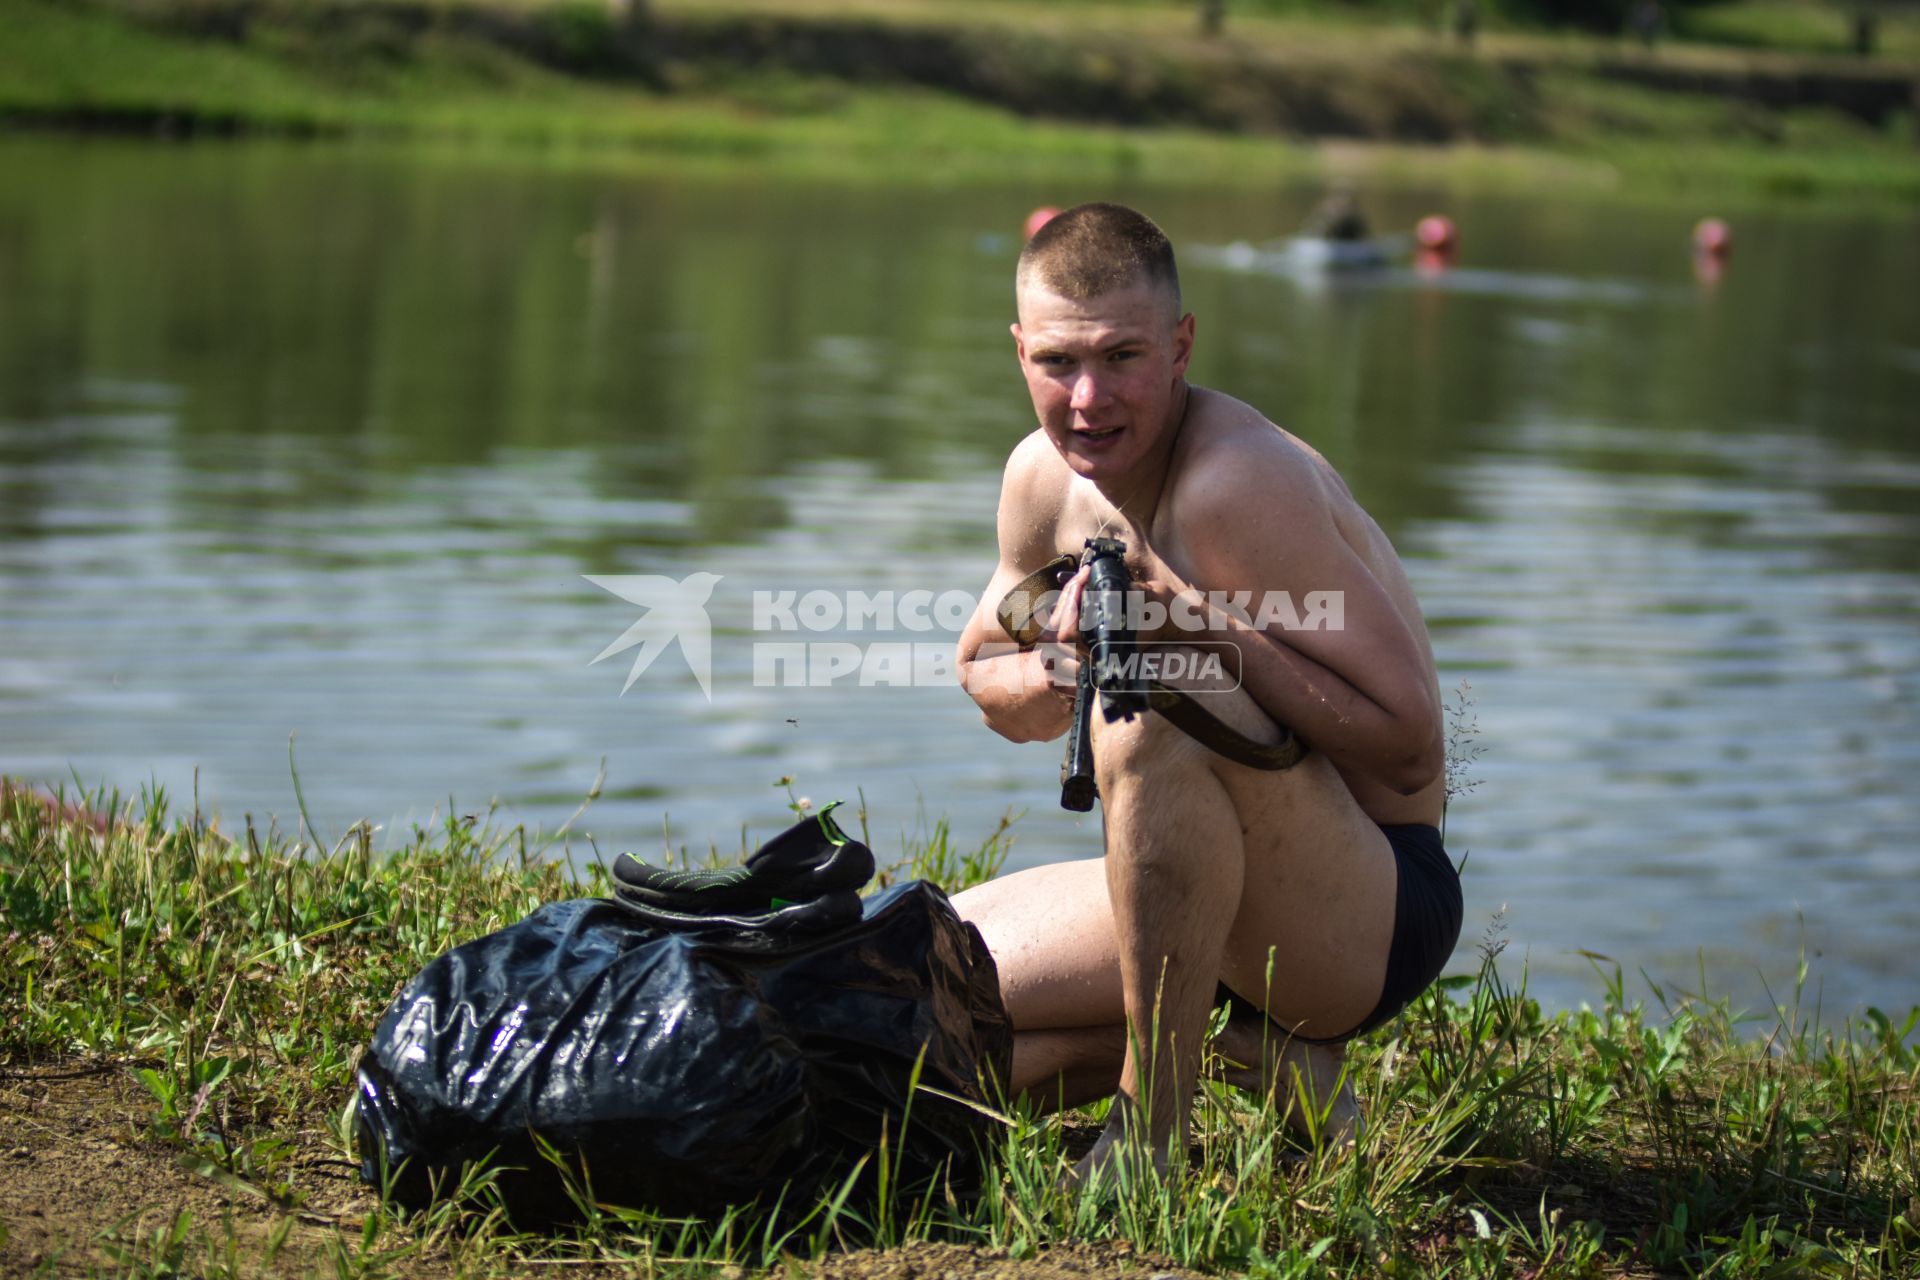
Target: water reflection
[(325, 440), (1718, 709)]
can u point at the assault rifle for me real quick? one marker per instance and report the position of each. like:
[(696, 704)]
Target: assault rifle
[(1110, 672)]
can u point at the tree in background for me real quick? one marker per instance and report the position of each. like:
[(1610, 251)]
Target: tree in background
[(1649, 21), (1866, 27), (1466, 20)]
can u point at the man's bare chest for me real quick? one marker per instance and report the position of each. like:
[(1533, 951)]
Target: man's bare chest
[(1155, 553)]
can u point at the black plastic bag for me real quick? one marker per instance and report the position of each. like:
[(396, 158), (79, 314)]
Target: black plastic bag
[(687, 1071)]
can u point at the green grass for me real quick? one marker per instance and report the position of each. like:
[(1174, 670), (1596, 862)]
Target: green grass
[(1507, 26), (1800, 25), (1694, 145), (236, 977)]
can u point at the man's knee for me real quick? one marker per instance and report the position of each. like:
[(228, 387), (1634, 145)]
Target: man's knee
[(1147, 747), (1151, 743)]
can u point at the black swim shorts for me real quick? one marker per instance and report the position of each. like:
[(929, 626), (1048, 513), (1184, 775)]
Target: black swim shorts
[(1426, 924)]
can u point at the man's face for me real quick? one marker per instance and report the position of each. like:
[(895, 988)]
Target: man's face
[(1105, 373)]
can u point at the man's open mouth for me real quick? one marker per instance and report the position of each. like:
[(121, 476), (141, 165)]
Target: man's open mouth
[(1097, 433)]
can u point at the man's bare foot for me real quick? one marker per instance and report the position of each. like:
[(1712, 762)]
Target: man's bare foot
[(1306, 1083), (1118, 1158)]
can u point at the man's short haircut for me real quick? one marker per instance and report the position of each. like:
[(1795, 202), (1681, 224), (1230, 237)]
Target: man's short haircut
[(1093, 249)]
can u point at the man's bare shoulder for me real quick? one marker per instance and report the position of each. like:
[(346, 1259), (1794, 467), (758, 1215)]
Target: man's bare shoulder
[(1033, 493), (1036, 477), (1235, 456), (1035, 461), (1252, 497)]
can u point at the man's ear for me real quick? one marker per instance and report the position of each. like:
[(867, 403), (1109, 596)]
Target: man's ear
[(1182, 344), (1019, 342)]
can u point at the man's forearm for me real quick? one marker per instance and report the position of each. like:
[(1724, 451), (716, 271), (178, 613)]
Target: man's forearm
[(1329, 712), (1019, 694)]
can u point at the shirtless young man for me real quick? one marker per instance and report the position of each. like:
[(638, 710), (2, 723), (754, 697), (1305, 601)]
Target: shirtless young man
[(1319, 893)]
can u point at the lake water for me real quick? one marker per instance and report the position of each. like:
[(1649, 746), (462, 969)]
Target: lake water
[(326, 440)]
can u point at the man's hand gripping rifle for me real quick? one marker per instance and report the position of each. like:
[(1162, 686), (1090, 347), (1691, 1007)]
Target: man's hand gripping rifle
[(1111, 670), (1114, 675)]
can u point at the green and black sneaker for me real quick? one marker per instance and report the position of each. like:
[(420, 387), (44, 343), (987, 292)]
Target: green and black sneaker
[(810, 860)]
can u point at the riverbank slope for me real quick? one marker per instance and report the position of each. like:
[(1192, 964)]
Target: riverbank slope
[(940, 91), (181, 1009)]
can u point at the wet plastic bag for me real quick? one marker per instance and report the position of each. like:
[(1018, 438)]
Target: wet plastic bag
[(687, 1071)]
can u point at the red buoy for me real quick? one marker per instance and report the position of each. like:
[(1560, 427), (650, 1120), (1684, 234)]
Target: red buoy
[(1039, 218), (1713, 237), (1436, 232)]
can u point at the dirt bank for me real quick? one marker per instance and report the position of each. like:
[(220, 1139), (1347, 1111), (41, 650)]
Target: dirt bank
[(88, 1187), (1432, 92), (1419, 92)]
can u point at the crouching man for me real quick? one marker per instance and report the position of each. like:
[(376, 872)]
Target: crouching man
[(1316, 895)]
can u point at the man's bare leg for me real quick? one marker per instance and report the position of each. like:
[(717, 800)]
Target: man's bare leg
[(1305, 1083), (1052, 936), (1174, 864), (1062, 1068), (1313, 912)]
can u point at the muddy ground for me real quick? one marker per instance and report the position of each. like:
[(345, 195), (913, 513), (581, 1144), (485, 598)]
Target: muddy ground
[(82, 1178), (86, 1187)]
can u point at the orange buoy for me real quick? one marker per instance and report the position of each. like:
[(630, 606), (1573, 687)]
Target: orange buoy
[(1712, 237), (1436, 232), (1039, 218)]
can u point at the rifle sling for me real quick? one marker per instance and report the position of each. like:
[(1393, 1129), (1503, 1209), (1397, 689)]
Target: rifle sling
[(1019, 605), (1216, 735), (1016, 615)]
